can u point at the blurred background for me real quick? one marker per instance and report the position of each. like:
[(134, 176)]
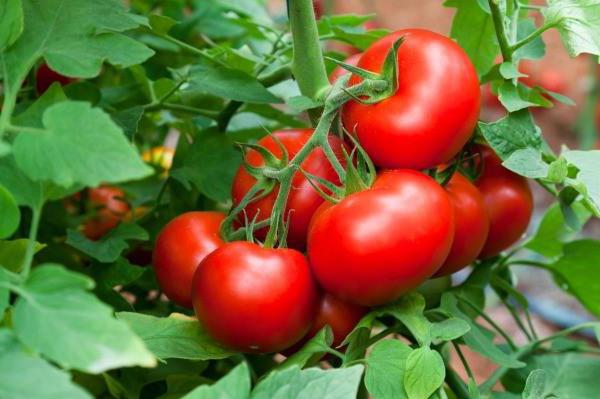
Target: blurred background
[(572, 125)]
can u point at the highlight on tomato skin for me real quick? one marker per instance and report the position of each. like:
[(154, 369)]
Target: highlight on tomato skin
[(254, 299), (180, 246), (417, 128)]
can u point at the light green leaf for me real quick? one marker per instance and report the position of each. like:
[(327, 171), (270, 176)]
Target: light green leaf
[(578, 23), (33, 115), (578, 268), (587, 181), (409, 310), (235, 385), (535, 386), (12, 253), (511, 98), (176, 336), (527, 162), (110, 246), (310, 383), (24, 375), (11, 22), (312, 351), (386, 367), (161, 24), (10, 215), (229, 83), (78, 330), (89, 149), (473, 29), (425, 373), (516, 131), (449, 329)]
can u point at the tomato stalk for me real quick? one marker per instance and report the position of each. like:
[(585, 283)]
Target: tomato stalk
[(500, 28)]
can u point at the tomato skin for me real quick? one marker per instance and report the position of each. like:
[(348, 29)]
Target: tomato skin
[(432, 114), (378, 244), (45, 77), (303, 198), (471, 227), (508, 200), (338, 72), (255, 299), (340, 315), (110, 207), (180, 247)]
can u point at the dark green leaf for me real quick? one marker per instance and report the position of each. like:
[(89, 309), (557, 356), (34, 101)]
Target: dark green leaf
[(11, 22), (9, 213), (527, 162), (12, 253), (312, 351), (516, 131), (533, 50), (109, 247), (235, 385)]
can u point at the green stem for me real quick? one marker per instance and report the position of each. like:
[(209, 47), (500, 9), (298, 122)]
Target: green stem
[(191, 49), (307, 65), (491, 322), (526, 262), (35, 222), (463, 360), (487, 386), (511, 309), (568, 331), (25, 129), (183, 108), (500, 28), (531, 37), (456, 384)]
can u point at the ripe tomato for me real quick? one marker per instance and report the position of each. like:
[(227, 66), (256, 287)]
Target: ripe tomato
[(45, 77), (340, 315), (110, 209), (471, 226), (378, 244), (508, 201), (303, 199), (338, 72), (180, 247), (255, 299), (433, 112)]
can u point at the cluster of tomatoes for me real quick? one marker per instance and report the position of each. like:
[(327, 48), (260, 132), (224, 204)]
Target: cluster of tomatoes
[(372, 246)]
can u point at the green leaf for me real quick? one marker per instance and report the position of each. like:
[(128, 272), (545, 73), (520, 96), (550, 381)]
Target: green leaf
[(24, 375), (232, 84), (449, 329), (235, 385), (89, 149), (210, 165), (120, 272), (473, 29), (516, 131), (409, 310), (109, 247), (302, 103), (425, 373), (578, 268), (129, 119), (310, 383), (535, 386), (12, 253), (509, 96), (587, 182), (176, 336), (33, 115), (386, 367), (6, 278), (10, 215), (11, 22), (534, 50), (527, 162), (5, 148), (161, 24), (312, 351), (578, 23), (78, 330), (552, 231)]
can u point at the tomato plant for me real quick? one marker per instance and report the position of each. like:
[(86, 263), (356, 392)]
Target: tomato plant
[(199, 199)]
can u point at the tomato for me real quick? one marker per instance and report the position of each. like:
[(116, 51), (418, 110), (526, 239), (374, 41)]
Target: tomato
[(338, 72), (110, 209), (432, 114), (471, 226), (340, 315), (378, 244), (433, 289), (303, 199), (318, 8), (255, 299), (45, 77), (159, 156), (180, 247), (508, 201)]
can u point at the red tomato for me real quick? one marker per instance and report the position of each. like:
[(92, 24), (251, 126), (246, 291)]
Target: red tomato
[(433, 112), (303, 199), (180, 247), (318, 7), (340, 315), (471, 227), (338, 72), (380, 243), (508, 201), (46, 76), (255, 299), (109, 209)]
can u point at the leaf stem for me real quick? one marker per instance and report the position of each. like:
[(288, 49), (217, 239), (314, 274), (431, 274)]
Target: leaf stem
[(531, 37), (456, 384), (500, 28), (463, 360), (35, 222)]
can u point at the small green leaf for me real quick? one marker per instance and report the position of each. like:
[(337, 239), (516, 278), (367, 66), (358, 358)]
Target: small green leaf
[(161, 24), (312, 351), (425, 373), (24, 375), (587, 181), (511, 98), (508, 70), (78, 330), (449, 329), (176, 336), (577, 24), (386, 367), (527, 162), (9, 213), (516, 131), (89, 149), (535, 386), (235, 385), (109, 247), (11, 22), (12, 253)]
